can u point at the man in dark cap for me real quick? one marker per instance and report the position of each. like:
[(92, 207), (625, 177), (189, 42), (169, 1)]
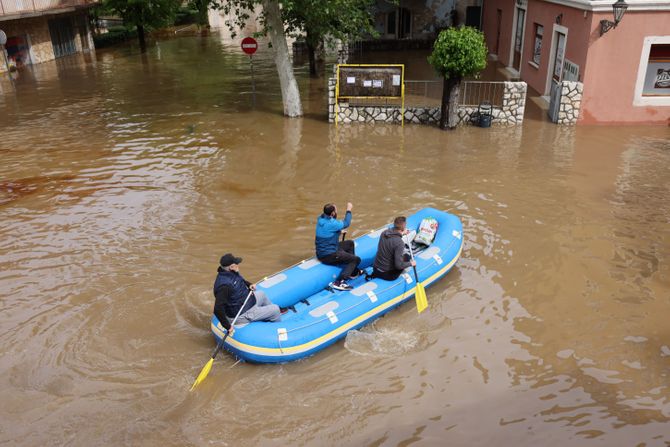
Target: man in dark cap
[(231, 290)]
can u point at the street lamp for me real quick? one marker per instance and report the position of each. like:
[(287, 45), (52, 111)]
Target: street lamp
[(619, 9)]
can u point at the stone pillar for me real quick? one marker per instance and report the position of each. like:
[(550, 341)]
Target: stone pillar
[(331, 100), (514, 102), (571, 102)]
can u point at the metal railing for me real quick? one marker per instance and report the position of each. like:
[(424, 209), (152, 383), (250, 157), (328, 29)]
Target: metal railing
[(12, 7), (423, 93), (471, 93)]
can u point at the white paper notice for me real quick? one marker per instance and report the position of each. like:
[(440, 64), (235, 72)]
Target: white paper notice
[(351, 80), (367, 83), (377, 84), (396, 79)]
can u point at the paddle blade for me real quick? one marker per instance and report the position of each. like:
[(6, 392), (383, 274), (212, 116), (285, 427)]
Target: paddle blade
[(421, 300), (203, 374)]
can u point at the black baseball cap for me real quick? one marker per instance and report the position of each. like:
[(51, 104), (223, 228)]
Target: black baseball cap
[(228, 259)]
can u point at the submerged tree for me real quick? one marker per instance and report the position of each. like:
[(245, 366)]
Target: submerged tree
[(273, 26), (457, 53), (144, 14), (320, 19)]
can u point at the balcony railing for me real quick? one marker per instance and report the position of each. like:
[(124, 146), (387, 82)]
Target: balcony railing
[(27, 7)]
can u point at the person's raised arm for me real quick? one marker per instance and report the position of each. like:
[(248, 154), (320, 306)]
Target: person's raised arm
[(347, 218)]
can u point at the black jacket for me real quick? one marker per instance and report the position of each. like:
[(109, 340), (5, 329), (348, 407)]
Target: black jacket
[(390, 252), (230, 291)]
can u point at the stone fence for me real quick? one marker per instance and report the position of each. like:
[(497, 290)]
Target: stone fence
[(511, 112)]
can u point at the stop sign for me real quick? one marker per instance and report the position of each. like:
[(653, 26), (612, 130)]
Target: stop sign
[(249, 45)]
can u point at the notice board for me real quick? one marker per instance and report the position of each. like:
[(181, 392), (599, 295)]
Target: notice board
[(370, 81)]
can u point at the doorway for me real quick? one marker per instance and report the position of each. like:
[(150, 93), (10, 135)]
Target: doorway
[(498, 25), (518, 38), (62, 36)]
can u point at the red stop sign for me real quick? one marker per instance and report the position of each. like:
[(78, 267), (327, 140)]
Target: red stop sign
[(249, 45)]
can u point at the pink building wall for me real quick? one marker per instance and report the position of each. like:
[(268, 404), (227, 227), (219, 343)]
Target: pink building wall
[(608, 64), (611, 73), (576, 51), (489, 24)]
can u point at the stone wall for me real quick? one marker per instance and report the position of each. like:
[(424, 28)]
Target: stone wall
[(511, 112), (571, 102)]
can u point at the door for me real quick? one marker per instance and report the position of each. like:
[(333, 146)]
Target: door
[(518, 37), (498, 24), (404, 23), (62, 36), (554, 102), (559, 58), (557, 74), (472, 16)]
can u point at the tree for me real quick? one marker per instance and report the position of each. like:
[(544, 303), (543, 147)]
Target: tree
[(457, 53), (337, 19), (273, 26), (144, 14)]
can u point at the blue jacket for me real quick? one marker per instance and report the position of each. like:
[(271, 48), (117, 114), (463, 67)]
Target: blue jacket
[(328, 233)]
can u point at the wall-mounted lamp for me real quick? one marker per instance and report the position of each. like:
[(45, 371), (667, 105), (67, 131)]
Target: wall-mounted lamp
[(559, 19), (619, 9)]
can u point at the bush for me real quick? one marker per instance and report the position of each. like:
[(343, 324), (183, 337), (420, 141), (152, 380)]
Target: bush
[(115, 35), (186, 16)]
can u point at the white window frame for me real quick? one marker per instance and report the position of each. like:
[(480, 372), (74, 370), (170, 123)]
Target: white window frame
[(638, 99)]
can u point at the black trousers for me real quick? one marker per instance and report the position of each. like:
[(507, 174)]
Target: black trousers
[(345, 254), (387, 276)]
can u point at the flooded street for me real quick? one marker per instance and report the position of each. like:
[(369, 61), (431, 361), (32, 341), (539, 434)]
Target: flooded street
[(124, 179)]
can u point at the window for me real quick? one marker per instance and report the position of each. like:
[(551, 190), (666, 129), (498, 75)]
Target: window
[(657, 79), (390, 23), (537, 48), (652, 87)]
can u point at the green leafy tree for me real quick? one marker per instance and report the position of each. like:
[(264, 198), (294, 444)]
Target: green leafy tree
[(337, 19), (457, 53), (144, 14)]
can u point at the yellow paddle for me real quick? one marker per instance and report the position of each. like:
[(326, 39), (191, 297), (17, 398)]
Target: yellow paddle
[(420, 292), (205, 370)]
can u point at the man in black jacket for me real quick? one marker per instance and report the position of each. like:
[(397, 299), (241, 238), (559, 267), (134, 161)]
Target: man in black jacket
[(231, 291), (390, 261)]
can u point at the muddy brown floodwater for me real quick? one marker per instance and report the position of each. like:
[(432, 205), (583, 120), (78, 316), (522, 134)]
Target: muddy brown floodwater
[(124, 179)]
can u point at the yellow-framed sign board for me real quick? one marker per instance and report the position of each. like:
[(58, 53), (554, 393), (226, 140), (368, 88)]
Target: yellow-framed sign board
[(370, 81)]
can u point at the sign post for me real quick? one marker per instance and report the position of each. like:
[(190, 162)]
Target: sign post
[(249, 46)]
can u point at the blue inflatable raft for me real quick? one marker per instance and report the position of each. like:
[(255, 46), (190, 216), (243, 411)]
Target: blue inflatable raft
[(323, 316)]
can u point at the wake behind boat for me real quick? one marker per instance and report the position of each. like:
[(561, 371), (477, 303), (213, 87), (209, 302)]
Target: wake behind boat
[(319, 315)]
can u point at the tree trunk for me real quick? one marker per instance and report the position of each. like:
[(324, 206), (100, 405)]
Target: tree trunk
[(312, 60), (289, 87), (203, 12), (140, 36), (449, 109)]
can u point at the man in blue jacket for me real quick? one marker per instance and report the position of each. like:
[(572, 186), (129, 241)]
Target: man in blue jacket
[(332, 252)]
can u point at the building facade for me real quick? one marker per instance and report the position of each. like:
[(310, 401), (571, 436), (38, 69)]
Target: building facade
[(42, 30), (423, 19), (625, 71)]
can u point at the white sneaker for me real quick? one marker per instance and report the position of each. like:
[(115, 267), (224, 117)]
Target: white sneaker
[(341, 285)]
